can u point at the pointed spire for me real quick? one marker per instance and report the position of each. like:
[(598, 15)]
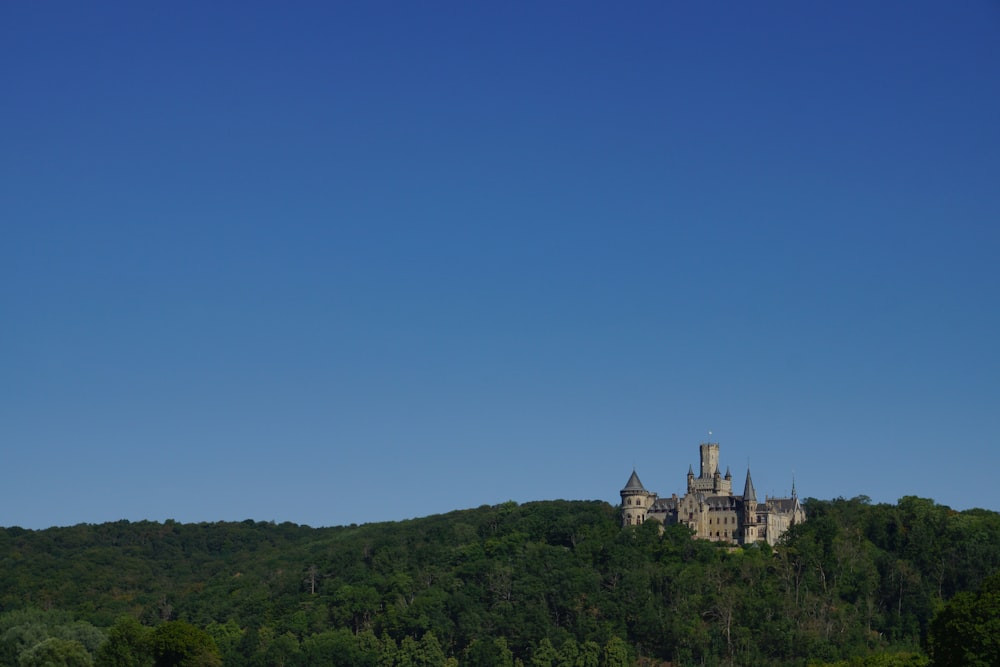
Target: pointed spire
[(793, 486), (748, 491), (690, 471), (633, 483), (729, 475)]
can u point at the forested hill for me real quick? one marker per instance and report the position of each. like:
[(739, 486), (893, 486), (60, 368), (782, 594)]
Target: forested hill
[(544, 583)]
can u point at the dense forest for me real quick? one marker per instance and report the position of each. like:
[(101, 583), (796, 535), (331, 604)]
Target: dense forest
[(541, 584)]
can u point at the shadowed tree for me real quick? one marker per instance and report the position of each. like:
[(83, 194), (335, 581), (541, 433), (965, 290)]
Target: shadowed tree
[(180, 644), (127, 645), (966, 632)]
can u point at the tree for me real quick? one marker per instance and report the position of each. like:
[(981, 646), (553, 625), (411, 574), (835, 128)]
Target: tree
[(356, 606), (24, 628), (180, 644), (429, 652), (127, 645), (387, 652), (337, 648), (283, 651), (312, 576), (55, 652), (966, 632), (590, 655), (228, 637), (616, 653), (545, 654), (569, 653), (81, 631), (488, 653)]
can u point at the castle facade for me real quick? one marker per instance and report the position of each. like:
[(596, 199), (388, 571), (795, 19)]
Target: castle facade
[(711, 509)]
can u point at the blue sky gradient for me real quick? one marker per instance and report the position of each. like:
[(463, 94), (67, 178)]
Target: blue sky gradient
[(348, 262)]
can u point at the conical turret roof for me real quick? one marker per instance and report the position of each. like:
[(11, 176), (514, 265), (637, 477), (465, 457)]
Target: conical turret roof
[(634, 484), (748, 491)]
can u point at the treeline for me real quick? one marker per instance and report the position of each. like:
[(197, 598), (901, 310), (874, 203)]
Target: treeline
[(545, 583)]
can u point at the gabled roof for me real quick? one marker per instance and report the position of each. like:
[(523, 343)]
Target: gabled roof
[(664, 505), (634, 484), (786, 505), (722, 502)]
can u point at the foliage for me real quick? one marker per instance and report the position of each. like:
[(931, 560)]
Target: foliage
[(35, 637), (128, 645), (966, 632), (541, 584), (905, 659), (180, 644), (55, 652)]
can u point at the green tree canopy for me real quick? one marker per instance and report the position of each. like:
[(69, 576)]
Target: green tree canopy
[(127, 645), (55, 652), (180, 644), (966, 632)]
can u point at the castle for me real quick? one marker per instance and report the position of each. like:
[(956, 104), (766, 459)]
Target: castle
[(709, 507)]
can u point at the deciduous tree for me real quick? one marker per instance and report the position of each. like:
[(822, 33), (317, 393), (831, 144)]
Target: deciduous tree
[(966, 632), (180, 644)]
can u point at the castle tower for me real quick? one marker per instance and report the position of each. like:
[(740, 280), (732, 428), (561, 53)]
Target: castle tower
[(636, 501), (710, 480), (751, 531), (709, 459)]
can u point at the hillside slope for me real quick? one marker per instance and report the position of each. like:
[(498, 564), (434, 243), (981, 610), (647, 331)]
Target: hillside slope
[(519, 579)]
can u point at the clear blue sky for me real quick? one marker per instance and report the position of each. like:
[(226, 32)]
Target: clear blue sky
[(347, 262)]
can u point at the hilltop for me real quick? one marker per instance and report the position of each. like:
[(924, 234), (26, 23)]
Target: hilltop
[(517, 581)]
